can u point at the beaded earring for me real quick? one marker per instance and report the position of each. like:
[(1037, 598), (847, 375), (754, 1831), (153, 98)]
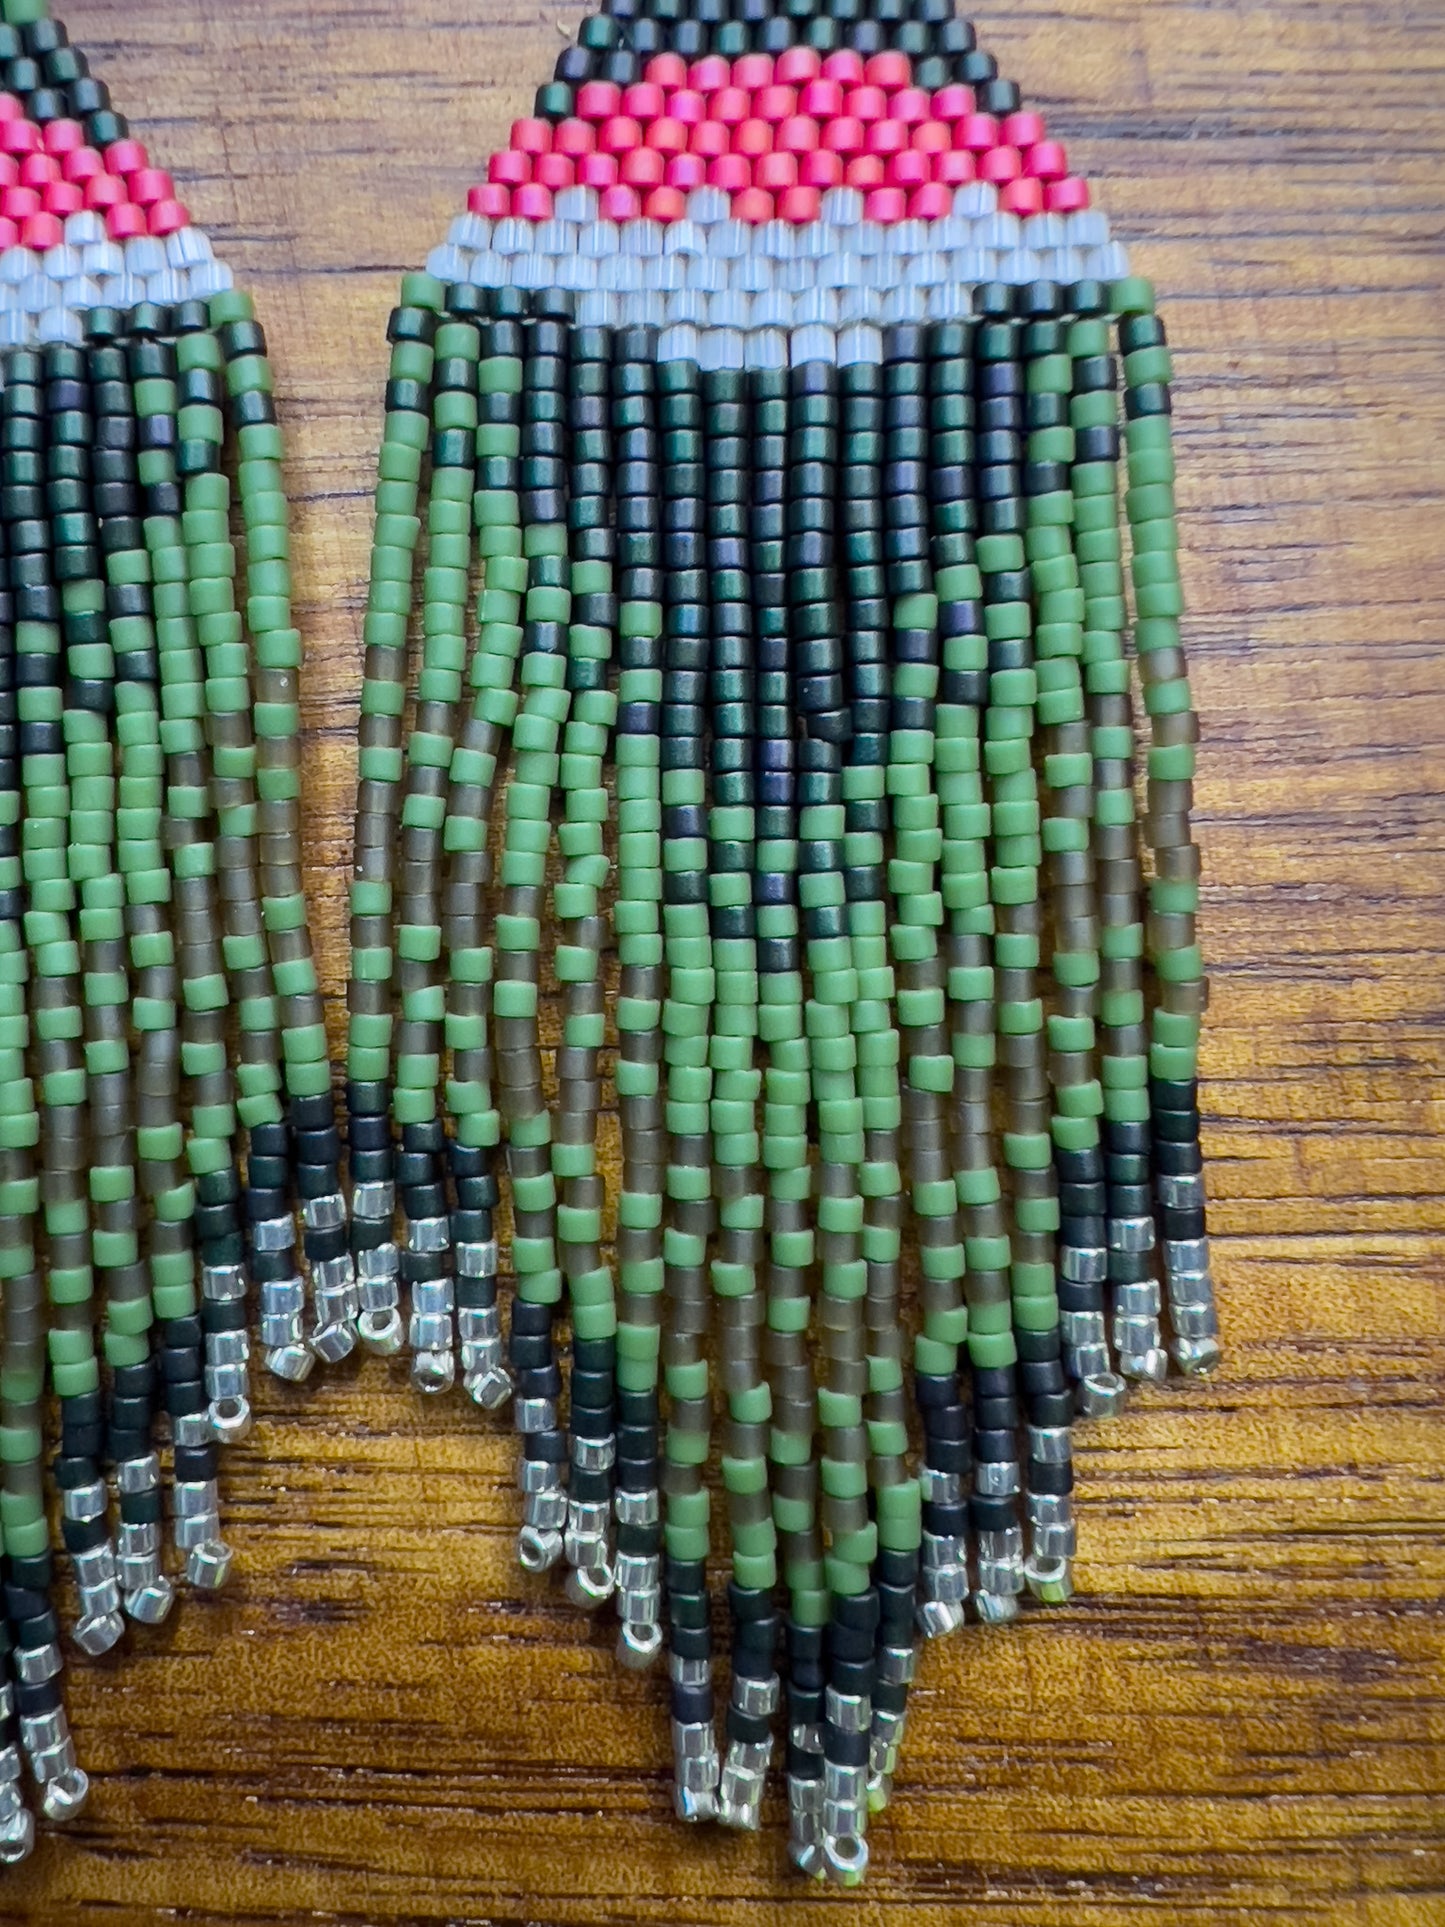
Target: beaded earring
[(150, 886), (771, 387)]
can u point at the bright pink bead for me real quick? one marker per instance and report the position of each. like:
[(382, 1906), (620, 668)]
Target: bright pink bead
[(752, 137), (775, 172), (774, 104), (597, 170), (709, 74), (667, 135), (9, 171), (929, 202), (845, 66), (1000, 164), (1024, 128), (909, 169), (1022, 196), (38, 170), (532, 201), (799, 205), (104, 190), (888, 69), (887, 137), (866, 104), (931, 137), (954, 167), (753, 71), (598, 99), (709, 140), (575, 137), (1066, 196), (845, 135), (167, 216), (666, 70), (664, 204), (865, 171), (63, 137), (643, 100), (821, 170), (65, 198), (686, 171), (491, 199), (885, 204), (19, 203), (798, 66), (1046, 161), (11, 108), (81, 166), (976, 132), (798, 135), (41, 231), (953, 102), (9, 233), (619, 203), (19, 136), (821, 98), (554, 171), (687, 105), (123, 223), (754, 205), (151, 184), (619, 134), (910, 105), (731, 106), (509, 168), (642, 167), (126, 157), (532, 136), (731, 172)]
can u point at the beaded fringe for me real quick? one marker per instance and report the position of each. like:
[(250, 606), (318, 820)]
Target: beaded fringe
[(775, 655), (156, 981)]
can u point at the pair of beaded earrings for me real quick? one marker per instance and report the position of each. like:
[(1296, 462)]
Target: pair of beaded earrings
[(758, 431)]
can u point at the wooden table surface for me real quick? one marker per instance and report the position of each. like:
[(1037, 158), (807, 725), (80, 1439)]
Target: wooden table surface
[(1240, 1719)]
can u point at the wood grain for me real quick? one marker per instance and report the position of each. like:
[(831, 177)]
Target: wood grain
[(1241, 1718)]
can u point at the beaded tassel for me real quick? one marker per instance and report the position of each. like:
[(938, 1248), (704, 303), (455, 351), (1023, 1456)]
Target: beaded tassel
[(779, 359), (150, 893)]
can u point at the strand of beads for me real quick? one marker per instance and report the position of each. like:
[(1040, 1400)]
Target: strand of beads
[(117, 860), (896, 1491), (411, 331), (690, 989), (546, 701), (31, 1631), (426, 1256), (1129, 1226), (56, 1006), (1065, 563), (1174, 887), (472, 785), (637, 927), (274, 659), (918, 910), (737, 1085), (785, 1090), (592, 1441), (198, 960)]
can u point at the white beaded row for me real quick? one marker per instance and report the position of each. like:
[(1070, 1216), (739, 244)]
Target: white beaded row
[(44, 296)]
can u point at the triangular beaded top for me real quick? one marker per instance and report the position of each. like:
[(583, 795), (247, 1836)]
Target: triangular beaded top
[(773, 376), (86, 219)]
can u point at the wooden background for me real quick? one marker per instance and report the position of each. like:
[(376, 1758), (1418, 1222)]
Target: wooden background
[(1240, 1720)]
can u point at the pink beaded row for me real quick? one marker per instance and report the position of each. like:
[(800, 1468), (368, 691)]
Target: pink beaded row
[(47, 173), (774, 134)]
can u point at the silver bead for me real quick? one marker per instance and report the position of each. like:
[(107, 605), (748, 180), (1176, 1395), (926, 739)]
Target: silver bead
[(273, 1234), (326, 1213)]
